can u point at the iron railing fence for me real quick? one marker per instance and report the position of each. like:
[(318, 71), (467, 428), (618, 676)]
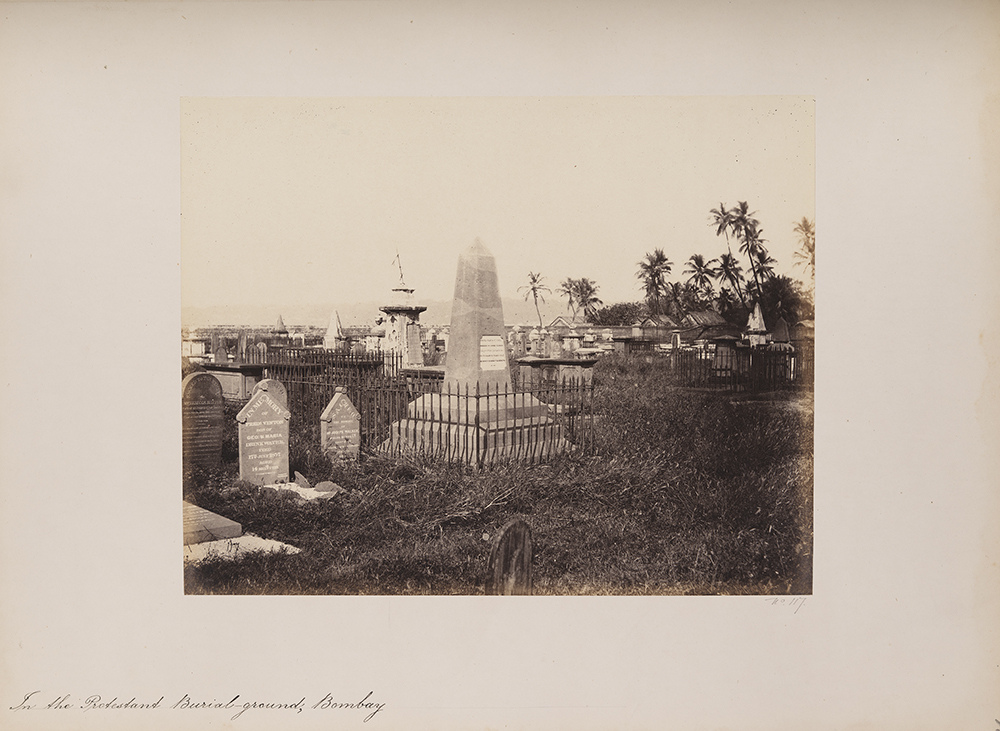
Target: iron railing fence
[(412, 411), (741, 369), (485, 424)]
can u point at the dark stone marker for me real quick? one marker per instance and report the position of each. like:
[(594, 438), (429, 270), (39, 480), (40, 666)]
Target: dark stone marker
[(263, 432), (273, 387), (510, 560), (221, 355), (340, 427), (201, 420)]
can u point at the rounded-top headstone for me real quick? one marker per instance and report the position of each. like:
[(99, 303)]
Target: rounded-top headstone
[(274, 388), (201, 420), (510, 560)]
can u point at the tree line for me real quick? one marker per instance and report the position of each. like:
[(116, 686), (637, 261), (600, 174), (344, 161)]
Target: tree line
[(721, 284)]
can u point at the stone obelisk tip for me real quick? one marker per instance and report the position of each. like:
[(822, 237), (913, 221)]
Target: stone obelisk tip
[(476, 348)]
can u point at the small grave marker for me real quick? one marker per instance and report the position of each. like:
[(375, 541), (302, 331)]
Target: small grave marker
[(273, 387), (339, 426), (201, 420), (510, 560), (263, 434)]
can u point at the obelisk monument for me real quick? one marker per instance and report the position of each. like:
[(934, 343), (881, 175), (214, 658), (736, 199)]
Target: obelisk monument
[(478, 417)]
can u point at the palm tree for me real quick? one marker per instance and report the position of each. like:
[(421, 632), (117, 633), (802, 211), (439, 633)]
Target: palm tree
[(702, 273), (747, 229), (765, 263), (731, 272), (725, 303), (678, 297), (586, 296), (807, 241), (535, 289), (567, 288), (581, 295), (722, 219), (653, 271)]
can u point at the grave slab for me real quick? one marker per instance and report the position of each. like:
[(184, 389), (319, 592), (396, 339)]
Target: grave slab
[(202, 525), (234, 548)]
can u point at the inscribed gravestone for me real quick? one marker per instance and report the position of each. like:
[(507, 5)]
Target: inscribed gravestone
[(201, 420), (339, 425), (275, 388), (510, 560), (263, 435)]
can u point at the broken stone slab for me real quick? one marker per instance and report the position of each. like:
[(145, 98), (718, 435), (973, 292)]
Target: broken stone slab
[(232, 549)]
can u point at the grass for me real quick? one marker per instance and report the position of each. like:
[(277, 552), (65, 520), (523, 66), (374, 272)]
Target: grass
[(685, 493)]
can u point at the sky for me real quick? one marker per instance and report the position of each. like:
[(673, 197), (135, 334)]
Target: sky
[(306, 201)]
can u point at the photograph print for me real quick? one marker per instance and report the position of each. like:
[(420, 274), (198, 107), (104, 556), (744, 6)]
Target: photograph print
[(498, 345)]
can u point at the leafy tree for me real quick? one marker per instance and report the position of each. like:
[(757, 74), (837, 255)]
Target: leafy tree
[(653, 271), (536, 290), (620, 314), (782, 296)]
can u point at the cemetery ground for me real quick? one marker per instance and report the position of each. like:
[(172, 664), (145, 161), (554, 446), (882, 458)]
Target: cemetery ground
[(686, 492)]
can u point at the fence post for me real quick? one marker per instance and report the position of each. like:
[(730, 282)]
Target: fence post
[(478, 452)]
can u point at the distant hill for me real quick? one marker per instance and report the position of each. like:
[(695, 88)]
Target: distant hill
[(515, 311)]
